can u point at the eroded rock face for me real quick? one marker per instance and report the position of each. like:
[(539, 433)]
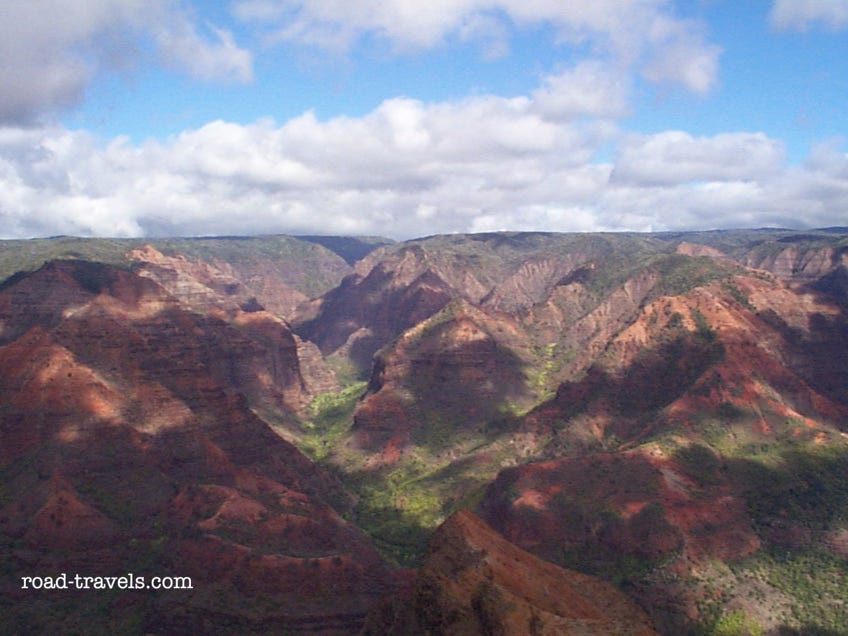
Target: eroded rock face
[(364, 313), (681, 356), (393, 289), (688, 367), (690, 344), (533, 281), (473, 581), (128, 444), (217, 290), (797, 263), (467, 356)]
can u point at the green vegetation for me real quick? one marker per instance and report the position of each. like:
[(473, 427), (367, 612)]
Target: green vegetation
[(399, 509), (700, 463), (306, 266), (350, 248), (784, 481), (125, 501), (346, 371), (759, 244), (737, 295), (675, 321), (542, 377), (432, 325), (735, 623), (607, 562), (329, 420), (491, 257), (679, 273), (29, 255), (802, 483), (703, 332), (796, 491), (399, 504), (395, 507), (460, 439), (814, 581), (792, 489)]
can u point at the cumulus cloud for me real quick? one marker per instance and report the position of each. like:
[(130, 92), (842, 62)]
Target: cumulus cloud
[(800, 14), (678, 54), (678, 157), (51, 50), (404, 168), (591, 88), (675, 181), (411, 168), (635, 33)]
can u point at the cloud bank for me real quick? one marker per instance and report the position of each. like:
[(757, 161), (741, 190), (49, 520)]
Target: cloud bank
[(410, 168)]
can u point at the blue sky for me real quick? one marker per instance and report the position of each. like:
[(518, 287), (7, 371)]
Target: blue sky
[(402, 118)]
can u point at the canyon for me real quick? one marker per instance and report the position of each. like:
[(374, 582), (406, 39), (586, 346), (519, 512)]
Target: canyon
[(503, 433)]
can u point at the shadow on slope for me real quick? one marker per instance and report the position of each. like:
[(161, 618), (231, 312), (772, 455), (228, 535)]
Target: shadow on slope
[(365, 314), (626, 404), (443, 392), (687, 534), (814, 354), (350, 248)]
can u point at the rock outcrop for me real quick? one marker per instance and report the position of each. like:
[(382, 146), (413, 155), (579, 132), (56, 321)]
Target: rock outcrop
[(474, 582)]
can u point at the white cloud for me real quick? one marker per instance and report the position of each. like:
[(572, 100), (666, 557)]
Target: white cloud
[(679, 55), (675, 157), (591, 88), (410, 168), (800, 14), (641, 33), (405, 168), (214, 57), (51, 49), (674, 181)]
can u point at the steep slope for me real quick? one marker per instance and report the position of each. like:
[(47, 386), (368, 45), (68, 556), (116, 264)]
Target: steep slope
[(365, 312), (397, 286), (748, 343), (444, 379), (279, 270), (217, 291), (440, 414), (128, 445), (710, 403), (646, 388), (474, 582)]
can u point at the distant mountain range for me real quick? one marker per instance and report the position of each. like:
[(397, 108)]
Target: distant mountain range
[(505, 433)]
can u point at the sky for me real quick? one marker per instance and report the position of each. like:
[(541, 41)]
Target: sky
[(403, 118)]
